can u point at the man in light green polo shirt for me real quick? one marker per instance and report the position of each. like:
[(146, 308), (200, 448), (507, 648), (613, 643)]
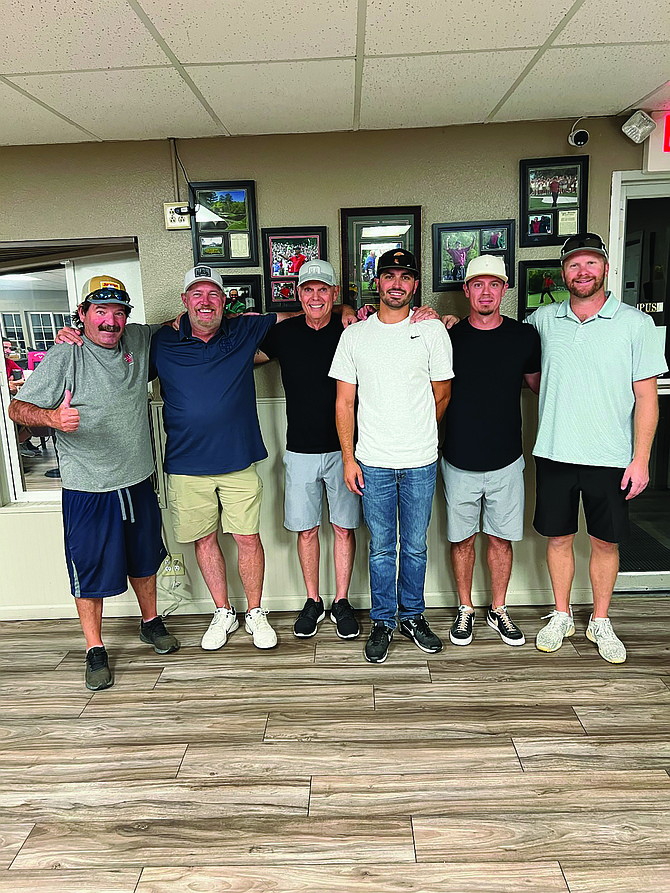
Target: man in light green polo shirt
[(597, 418)]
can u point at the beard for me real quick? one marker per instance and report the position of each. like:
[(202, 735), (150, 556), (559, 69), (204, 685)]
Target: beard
[(586, 290)]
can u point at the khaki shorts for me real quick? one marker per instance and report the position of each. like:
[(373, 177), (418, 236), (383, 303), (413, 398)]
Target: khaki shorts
[(197, 500)]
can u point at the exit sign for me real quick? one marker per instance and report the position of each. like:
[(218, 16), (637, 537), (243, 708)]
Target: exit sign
[(657, 147)]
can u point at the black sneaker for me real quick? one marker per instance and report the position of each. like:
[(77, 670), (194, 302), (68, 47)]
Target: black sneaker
[(309, 618), (98, 674), (377, 645), (153, 632), (342, 614), (461, 629), (417, 629), (501, 622)]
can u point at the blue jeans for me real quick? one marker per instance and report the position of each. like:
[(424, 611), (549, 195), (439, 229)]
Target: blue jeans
[(391, 495)]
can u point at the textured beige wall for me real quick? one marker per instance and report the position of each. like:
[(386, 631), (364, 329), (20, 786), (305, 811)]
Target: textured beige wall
[(454, 173)]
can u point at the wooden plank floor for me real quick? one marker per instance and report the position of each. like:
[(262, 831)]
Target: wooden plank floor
[(484, 769)]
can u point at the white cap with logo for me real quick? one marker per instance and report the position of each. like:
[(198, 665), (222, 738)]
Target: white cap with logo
[(202, 273), (317, 271), (486, 265)]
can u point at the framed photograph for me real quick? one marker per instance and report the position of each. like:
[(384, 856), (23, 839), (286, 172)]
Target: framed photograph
[(540, 282), (366, 233), (456, 244), (285, 250), (224, 223), (243, 294), (553, 199)]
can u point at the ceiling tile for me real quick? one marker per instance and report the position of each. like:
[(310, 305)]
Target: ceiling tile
[(25, 123), (254, 30), (658, 101), (435, 26), (626, 21), (555, 88), (59, 35), (118, 105), (430, 91), (280, 97)]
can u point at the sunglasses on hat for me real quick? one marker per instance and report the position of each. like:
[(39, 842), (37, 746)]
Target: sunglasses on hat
[(583, 242), (109, 294)]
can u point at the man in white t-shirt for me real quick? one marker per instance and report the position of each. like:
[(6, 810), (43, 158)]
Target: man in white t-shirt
[(401, 375)]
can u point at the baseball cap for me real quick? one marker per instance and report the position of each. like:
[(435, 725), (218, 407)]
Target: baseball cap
[(202, 273), (317, 271), (486, 265), (397, 257), (583, 242), (105, 290)]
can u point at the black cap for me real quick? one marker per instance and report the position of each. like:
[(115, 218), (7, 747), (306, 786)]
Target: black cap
[(397, 257), (583, 242)]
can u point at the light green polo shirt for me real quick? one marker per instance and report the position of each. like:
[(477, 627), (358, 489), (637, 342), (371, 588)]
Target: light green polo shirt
[(586, 390)]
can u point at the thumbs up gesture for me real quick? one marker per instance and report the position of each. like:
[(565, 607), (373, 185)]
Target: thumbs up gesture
[(65, 417)]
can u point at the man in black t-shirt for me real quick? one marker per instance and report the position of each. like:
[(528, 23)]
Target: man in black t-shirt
[(482, 457), (305, 347)]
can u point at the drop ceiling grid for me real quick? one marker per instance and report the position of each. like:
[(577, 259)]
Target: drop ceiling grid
[(586, 81), (286, 97), (131, 104), (25, 123), (626, 21), (59, 35), (250, 30)]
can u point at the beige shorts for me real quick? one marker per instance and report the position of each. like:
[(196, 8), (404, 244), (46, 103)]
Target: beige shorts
[(196, 501)]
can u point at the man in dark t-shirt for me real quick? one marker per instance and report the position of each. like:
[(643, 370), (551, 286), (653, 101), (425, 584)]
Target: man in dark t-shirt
[(482, 457), (305, 347)]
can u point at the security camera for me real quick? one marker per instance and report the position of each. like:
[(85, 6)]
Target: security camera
[(578, 138)]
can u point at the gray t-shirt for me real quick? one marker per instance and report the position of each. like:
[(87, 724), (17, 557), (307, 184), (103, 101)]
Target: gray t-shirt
[(393, 366), (111, 448)]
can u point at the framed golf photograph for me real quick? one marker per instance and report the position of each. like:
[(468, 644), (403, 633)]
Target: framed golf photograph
[(366, 233), (242, 293), (223, 224), (553, 195), (540, 282), (285, 250), (456, 244)]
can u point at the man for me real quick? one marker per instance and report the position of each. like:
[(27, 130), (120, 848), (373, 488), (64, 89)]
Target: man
[(597, 418), (554, 190), (305, 347), (482, 455), (296, 260), (213, 443), (547, 285), (401, 376), (15, 376), (459, 255), (95, 397)]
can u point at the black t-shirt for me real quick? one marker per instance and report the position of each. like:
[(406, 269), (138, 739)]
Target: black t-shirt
[(483, 418), (305, 356)]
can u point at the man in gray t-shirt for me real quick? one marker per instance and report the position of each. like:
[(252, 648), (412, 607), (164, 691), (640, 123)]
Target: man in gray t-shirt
[(95, 397)]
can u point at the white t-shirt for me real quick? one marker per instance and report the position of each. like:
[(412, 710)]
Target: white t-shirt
[(393, 366)]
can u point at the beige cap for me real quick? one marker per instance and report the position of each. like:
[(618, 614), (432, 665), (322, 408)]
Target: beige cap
[(486, 265)]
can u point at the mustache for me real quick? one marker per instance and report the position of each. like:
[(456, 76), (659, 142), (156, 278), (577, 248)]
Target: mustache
[(107, 328)]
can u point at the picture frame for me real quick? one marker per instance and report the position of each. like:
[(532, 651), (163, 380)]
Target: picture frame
[(285, 250), (456, 244), (243, 294), (553, 199), (540, 282), (365, 234), (223, 224)]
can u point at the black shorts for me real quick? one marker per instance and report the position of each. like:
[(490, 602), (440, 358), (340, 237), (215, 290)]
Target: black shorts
[(558, 488)]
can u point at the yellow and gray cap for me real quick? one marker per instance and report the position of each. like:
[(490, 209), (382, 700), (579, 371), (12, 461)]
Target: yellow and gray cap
[(105, 290)]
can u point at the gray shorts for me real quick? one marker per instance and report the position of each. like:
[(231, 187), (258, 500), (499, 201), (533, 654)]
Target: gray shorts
[(306, 476), (498, 496)]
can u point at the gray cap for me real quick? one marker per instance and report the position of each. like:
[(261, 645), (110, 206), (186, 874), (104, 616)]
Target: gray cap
[(317, 271)]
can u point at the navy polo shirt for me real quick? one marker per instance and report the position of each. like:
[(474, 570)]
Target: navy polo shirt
[(209, 395)]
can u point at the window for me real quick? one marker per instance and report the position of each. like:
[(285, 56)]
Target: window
[(44, 327), (12, 328)]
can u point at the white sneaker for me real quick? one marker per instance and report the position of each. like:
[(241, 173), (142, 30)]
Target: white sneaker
[(560, 626), (610, 647), (223, 622), (256, 624)]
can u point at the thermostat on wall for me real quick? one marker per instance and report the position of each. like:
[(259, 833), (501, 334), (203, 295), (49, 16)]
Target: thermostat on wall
[(173, 220)]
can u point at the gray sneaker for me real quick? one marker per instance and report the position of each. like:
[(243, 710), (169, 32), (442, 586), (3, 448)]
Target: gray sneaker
[(98, 674), (560, 626), (153, 632), (610, 647)]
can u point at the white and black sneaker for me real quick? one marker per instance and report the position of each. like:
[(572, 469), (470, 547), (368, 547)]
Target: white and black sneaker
[(417, 629), (461, 629), (502, 623), (309, 618), (377, 645)]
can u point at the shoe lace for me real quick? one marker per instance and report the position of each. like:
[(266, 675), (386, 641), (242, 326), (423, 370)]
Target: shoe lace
[(343, 607), (463, 615), (157, 626), (377, 633), (604, 628), (506, 620), (260, 619), (421, 624), (97, 658)]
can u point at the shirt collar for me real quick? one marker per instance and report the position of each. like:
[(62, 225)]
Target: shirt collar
[(607, 311), (185, 331)]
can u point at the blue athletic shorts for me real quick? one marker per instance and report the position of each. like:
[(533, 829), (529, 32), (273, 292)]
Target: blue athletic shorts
[(110, 537)]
